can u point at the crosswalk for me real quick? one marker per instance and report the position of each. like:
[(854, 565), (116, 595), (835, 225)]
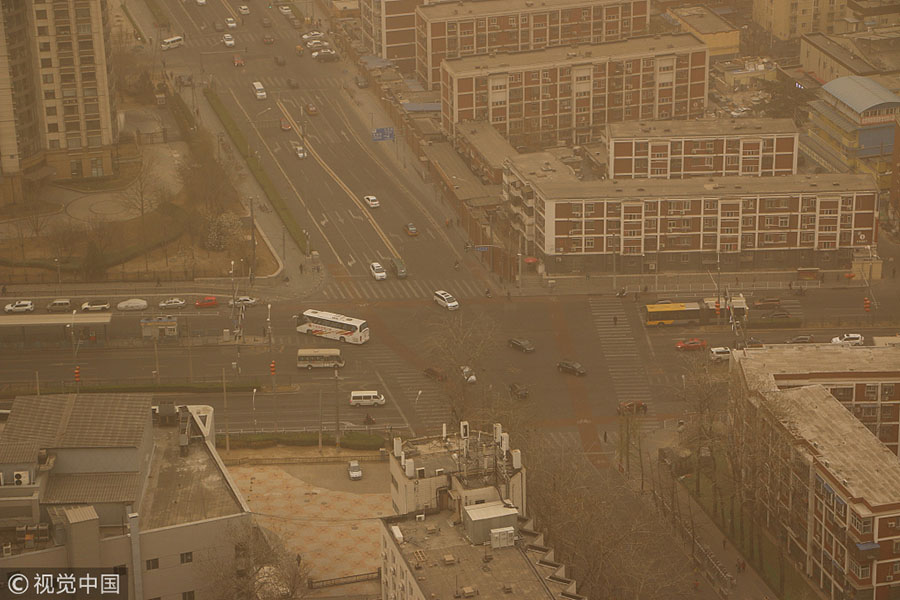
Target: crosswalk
[(396, 289)]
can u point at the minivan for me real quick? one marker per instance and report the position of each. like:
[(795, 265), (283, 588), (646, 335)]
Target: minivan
[(60, 305), (719, 354), (258, 90), (398, 267), (366, 398)]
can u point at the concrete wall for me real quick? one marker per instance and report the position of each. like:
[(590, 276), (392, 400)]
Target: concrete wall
[(410, 495)]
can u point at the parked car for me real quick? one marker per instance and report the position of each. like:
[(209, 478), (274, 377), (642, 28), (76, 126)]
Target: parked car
[(520, 344), (268, 39), (371, 201), (172, 303), (719, 354), (132, 305), (60, 305), (800, 339), (285, 125), (311, 109), (631, 407), (317, 44), (244, 9), (444, 299), (228, 40), (767, 303), (312, 35), (230, 23), (247, 301), (691, 344), (570, 367), (20, 306), (377, 271), (468, 374), (411, 230), (95, 306), (285, 10), (354, 470), (519, 390), (436, 374), (299, 150), (325, 55), (238, 60), (206, 302), (854, 339)]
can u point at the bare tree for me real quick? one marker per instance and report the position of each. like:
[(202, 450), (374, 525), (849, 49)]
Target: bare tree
[(143, 195), (21, 228), (37, 219)]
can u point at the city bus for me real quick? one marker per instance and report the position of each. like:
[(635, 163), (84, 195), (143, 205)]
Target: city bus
[(333, 326), (681, 313), (172, 42), (307, 358)]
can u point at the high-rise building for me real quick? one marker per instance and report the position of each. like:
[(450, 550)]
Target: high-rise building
[(789, 19), (58, 107)]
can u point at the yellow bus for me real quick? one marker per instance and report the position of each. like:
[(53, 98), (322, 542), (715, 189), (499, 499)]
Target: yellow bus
[(681, 313), (319, 357)]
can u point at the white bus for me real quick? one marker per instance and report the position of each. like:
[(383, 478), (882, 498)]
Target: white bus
[(319, 357), (334, 326), (172, 42)]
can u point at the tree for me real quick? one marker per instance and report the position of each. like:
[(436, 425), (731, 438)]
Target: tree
[(142, 196)]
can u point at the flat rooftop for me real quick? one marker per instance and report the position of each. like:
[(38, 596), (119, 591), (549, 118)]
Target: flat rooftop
[(463, 10), (543, 166), (435, 452), (573, 55), (456, 173), (426, 543), (700, 128), (702, 19), (709, 187), (849, 58), (183, 489), (852, 453), (487, 140)]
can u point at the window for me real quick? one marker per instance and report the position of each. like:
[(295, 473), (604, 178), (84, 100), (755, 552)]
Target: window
[(152, 563), (47, 78), (187, 557), (887, 390), (783, 221), (187, 595), (860, 524), (896, 546), (871, 391), (895, 568)]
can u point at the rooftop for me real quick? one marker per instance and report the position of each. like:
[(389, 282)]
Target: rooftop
[(448, 10), (466, 186), (706, 187), (92, 488), (428, 544), (850, 59), (702, 19), (860, 93), (465, 460), (487, 140), (542, 166), (700, 128), (573, 55), (79, 420)]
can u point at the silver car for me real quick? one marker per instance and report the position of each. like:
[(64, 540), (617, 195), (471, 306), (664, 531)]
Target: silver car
[(172, 303), (95, 306)]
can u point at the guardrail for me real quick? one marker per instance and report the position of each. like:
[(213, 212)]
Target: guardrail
[(321, 583)]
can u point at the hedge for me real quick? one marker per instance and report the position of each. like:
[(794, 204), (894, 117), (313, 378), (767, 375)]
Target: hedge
[(352, 440)]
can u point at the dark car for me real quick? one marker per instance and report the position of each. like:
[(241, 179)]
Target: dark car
[(800, 339), (767, 303), (279, 60), (435, 374), (361, 82), (268, 39), (266, 22), (570, 367), (292, 83), (778, 314), (518, 390), (631, 407), (750, 343), (520, 344)]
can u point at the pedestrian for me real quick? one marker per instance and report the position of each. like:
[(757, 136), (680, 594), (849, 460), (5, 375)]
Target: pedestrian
[(457, 224), (301, 269), (264, 331), (157, 281), (894, 273), (743, 565), (724, 543), (615, 320), (737, 565), (3, 291)]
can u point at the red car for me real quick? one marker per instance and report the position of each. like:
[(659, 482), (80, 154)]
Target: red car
[(691, 344), (238, 61), (268, 39), (207, 302)]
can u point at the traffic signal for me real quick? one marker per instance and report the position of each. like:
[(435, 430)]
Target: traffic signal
[(77, 374), (718, 308), (867, 304), (272, 368)]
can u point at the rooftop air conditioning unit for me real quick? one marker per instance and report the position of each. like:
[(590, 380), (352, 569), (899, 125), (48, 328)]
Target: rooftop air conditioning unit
[(21, 478)]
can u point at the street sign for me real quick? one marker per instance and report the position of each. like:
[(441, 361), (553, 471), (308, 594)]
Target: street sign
[(482, 248), (383, 134)]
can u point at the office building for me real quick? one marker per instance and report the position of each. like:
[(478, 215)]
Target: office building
[(450, 30), (559, 96)]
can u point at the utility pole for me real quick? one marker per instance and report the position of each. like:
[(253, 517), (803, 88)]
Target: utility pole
[(156, 355), (337, 412), (225, 410), (321, 421), (252, 241)]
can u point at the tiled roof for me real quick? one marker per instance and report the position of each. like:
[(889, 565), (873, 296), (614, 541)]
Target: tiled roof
[(18, 452), (92, 488), (860, 93), (78, 514), (79, 420)]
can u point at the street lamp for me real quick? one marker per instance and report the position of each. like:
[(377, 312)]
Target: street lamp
[(253, 408), (58, 277), (269, 326)]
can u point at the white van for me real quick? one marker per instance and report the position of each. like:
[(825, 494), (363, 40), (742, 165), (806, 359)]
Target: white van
[(258, 90), (172, 42), (366, 398)]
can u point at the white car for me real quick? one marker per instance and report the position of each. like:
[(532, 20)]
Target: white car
[(228, 40), (377, 271), (244, 9), (230, 23), (285, 10), (354, 470), (20, 306), (468, 375), (854, 339), (312, 35), (201, 2), (173, 303), (444, 299), (132, 304), (371, 201), (95, 306), (299, 150), (317, 45), (719, 354), (243, 301)]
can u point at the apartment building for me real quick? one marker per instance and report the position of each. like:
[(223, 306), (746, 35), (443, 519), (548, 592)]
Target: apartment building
[(107, 481), (789, 19), (828, 487), (721, 37), (61, 97), (647, 226), (707, 148), (559, 96), (451, 30)]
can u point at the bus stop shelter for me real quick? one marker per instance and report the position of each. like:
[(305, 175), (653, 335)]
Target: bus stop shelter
[(31, 329)]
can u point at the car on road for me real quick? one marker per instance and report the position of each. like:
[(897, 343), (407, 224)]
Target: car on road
[(371, 201), (279, 60), (691, 344), (325, 55), (20, 306), (95, 306), (228, 40), (411, 230), (631, 407), (854, 339), (244, 9), (298, 149), (468, 374), (777, 314), (767, 303), (132, 305), (719, 354), (268, 39), (446, 300), (361, 82), (317, 44), (299, 49), (285, 10), (247, 301), (377, 271), (219, 26), (293, 83), (663, 301), (800, 339), (206, 302), (354, 470), (238, 60), (201, 2), (519, 390), (266, 22), (312, 35), (750, 343), (520, 344), (436, 374), (173, 303), (311, 109), (230, 23), (60, 305), (286, 125), (571, 367)]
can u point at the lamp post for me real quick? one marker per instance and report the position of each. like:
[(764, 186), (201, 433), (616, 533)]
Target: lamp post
[(269, 326), (58, 277), (253, 408), (233, 292)]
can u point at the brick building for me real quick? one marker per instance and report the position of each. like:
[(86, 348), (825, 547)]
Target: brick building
[(559, 96), (681, 149), (450, 30), (647, 226)]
